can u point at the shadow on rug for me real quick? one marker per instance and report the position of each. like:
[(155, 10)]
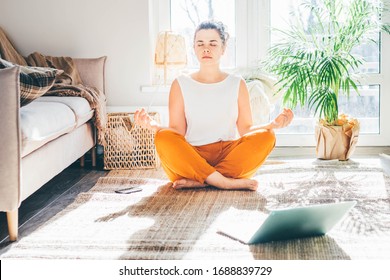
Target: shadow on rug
[(162, 223)]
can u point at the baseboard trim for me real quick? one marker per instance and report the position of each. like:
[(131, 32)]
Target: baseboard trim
[(311, 151)]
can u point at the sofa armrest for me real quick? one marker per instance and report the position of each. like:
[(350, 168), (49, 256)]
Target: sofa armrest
[(10, 150), (92, 71)]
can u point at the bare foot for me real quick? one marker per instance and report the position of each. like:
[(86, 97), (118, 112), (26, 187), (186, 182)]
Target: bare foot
[(216, 179), (240, 184), (187, 183)]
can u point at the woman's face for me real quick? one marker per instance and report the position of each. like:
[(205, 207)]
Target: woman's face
[(208, 46)]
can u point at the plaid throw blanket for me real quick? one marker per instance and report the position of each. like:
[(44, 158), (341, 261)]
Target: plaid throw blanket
[(69, 83), (8, 52)]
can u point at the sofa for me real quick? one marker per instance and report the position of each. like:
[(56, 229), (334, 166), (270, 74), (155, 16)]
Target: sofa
[(42, 138)]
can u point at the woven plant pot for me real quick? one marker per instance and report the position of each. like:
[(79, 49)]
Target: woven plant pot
[(336, 142)]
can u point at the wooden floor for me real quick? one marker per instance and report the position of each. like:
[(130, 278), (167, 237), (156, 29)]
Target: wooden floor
[(72, 177)]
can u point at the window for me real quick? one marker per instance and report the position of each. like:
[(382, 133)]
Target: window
[(248, 23), (365, 107), (282, 10)]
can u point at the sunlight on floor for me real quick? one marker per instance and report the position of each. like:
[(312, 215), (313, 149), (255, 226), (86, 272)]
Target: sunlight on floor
[(231, 228), (368, 184)]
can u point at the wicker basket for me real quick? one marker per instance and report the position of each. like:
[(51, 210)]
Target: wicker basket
[(129, 146)]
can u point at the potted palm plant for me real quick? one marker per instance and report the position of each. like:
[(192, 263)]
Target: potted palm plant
[(315, 64)]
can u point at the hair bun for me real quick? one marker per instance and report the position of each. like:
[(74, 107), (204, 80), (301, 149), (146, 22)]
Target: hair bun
[(215, 25)]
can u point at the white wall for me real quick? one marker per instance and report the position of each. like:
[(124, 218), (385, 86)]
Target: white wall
[(118, 29)]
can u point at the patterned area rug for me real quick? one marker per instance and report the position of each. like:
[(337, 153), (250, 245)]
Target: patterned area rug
[(162, 223)]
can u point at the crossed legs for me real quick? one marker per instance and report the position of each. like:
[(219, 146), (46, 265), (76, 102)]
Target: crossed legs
[(225, 165)]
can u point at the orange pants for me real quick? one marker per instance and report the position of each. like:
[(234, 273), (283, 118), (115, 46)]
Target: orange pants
[(234, 159)]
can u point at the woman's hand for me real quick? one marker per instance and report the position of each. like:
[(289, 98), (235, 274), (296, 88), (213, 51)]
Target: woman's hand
[(142, 118), (283, 119)]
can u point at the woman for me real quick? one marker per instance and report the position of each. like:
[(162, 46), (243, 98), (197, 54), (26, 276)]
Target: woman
[(210, 139)]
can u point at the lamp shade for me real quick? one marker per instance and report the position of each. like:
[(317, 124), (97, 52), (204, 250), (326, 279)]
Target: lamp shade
[(170, 50)]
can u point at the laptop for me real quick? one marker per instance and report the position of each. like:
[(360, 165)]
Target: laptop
[(290, 223)]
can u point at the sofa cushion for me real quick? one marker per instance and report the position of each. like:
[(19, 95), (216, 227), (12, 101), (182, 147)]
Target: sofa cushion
[(42, 122), (80, 106), (34, 81), (92, 71)]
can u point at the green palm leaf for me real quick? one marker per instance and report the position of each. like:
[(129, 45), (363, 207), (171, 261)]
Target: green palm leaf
[(315, 64)]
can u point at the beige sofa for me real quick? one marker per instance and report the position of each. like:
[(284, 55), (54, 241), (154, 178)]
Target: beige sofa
[(41, 139)]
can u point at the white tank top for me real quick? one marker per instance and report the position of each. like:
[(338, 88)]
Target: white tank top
[(211, 110)]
